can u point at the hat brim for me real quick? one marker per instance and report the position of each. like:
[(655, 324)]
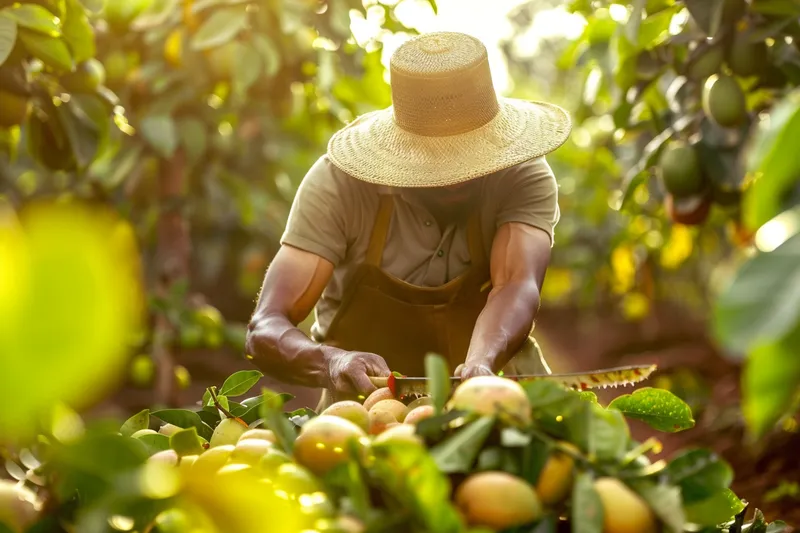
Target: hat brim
[(373, 148)]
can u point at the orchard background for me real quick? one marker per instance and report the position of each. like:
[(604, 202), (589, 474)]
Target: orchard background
[(150, 151)]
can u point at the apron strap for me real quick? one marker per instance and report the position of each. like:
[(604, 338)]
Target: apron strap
[(380, 229), (477, 251)]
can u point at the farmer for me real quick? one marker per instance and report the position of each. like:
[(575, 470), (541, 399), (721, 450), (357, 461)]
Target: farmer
[(426, 227)]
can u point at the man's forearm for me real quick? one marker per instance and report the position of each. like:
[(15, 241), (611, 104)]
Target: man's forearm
[(284, 352), (504, 324)]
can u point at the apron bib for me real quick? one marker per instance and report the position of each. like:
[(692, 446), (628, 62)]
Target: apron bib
[(402, 323)]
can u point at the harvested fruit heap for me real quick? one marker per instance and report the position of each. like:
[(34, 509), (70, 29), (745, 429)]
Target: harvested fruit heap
[(490, 455)]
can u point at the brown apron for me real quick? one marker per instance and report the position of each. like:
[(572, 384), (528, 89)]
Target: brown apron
[(402, 323)]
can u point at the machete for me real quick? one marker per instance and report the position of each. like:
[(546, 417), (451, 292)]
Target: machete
[(609, 377)]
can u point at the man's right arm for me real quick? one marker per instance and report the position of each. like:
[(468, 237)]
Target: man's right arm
[(293, 284)]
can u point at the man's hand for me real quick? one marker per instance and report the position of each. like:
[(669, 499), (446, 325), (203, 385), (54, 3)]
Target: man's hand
[(348, 373), (466, 371)]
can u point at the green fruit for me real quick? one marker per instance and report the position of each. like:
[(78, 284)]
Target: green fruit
[(227, 431), (295, 479), (13, 109), (191, 336), (182, 377), (143, 370), (746, 58), (213, 459), (705, 63), (172, 521), (143, 432), (209, 318), (88, 76), (680, 170), (272, 460), (724, 101)]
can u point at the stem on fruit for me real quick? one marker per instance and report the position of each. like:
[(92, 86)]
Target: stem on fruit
[(651, 444), (224, 411)]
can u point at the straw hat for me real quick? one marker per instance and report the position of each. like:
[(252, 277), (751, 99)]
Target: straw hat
[(446, 125)]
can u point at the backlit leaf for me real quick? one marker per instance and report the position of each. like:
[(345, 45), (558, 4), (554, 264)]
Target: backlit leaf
[(78, 32), (271, 410), (220, 28), (52, 51), (438, 380), (240, 382), (587, 514), (8, 36), (665, 501), (34, 17), (720, 507), (139, 421), (658, 408)]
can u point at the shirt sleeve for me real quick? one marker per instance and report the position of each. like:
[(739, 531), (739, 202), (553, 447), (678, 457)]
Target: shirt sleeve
[(529, 195), (316, 222)]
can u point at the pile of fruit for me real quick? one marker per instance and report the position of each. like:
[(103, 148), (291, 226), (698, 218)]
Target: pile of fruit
[(491, 455)]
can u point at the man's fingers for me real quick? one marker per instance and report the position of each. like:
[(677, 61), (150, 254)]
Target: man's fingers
[(376, 366), (459, 370), (361, 383)]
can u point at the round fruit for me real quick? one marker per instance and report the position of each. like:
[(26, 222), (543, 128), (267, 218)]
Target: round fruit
[(250, 451), (19, 506), (13, 109), (493, 395), (324, 442), (191, 336), (419, 402), (227, 431), (380, 421), (88, 76), (295, 479), (724, 101), (397, 408), (378, 395), (680, 170), (272, 460), (555, 480), (418, 414), (623, 510), (143, 370), (182, 377), (188, 461), (214, 458), (173, 48), (143, 432), (166, 457), (172, 521), (746, 58), (497, 500), (399, 433), (208, 317), (263, 434), (689, 211), (350, 410), (168, 429), (120, 13), (705, 62)]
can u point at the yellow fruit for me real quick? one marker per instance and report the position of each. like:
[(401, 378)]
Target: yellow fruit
[(173, 48), (143, 432), (187, 462), (397, 409), (214, 458), (350, 410), (556, 478), (493, 395), (724, 101), (143, 370), (324, 442), (182, 377), (376, 396), (419, 402), (169, 429), (228, 431), (497, 500), (399, 433), (19, 506), (250, 451), (272, 460), (679, 166), (13, 109), (623, 510), (295, 479), (263, 434), (166, 457), (380, 421), (415, 416)]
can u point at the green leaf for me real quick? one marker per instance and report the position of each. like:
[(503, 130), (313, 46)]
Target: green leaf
[(762, 304), (665, 501), (438, 380), (186, 442), (270, 54), (719, 508), (160, 133), (184, 418), (154, 443), (587, 509), (95, 6), (434, 6), (220, 28), (789, 8), (608, 433), (140, 420), (8, 37), (34, 17), (82, 132), (240, 382), (554, 406), (458, 452), (770, 382), (247, 69), (193, 137), (699, 473), (52, 51), (658, 408), (773, 160), (271, 410), (78, 32)]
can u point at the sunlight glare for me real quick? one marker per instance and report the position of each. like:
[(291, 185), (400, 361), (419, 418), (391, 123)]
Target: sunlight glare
[(619, 13), (777, 231)]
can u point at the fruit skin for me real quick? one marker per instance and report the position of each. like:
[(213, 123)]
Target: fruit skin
[(623, 510), (295, 479), (169, 429), (143, 432), (88, 76), (680, 170), (415, 416), (227, 431), (419, 402), (166, 457), (250, 451), (350, 410), (272, 460), (143, 369), (19, 506), (724, 101), (323, 442), (396, 408), (745, 58), (380, 421), (13, 109), (263, 434), (497, 500), (705, 63), (556, 478), (399, 433), (376, 396), (493, 395), (214, 458), (690, 211)]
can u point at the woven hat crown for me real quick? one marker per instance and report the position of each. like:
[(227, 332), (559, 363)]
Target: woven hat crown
[(442, 85)]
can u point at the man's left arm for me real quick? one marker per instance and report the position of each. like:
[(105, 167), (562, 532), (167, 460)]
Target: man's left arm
[(519, 259)]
